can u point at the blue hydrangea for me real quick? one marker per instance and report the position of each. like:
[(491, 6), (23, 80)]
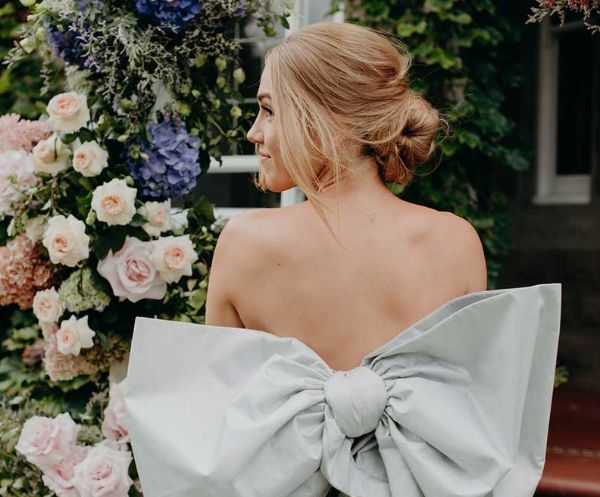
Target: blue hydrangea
[(174, 12), (172, 166)]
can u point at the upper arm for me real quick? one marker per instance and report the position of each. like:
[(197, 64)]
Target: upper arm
[(468, 252), (225, 272)]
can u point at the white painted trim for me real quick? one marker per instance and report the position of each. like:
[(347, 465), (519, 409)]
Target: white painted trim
[(234, 164), (229, 212), (550, 187)]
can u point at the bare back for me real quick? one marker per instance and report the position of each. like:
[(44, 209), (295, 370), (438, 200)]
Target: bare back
[(291, 278)]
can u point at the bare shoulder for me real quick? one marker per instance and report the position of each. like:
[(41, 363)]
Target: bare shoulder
[(234, 265), (464, 249), (250, 241), (451, 242), (252, 229)]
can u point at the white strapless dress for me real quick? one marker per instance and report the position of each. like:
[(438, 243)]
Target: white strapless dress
[(456, 405)]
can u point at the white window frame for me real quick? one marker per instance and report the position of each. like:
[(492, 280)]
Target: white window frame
[(552, 188), (249, 163)]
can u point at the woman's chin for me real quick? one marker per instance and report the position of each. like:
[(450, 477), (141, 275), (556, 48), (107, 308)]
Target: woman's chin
[(278, 185)]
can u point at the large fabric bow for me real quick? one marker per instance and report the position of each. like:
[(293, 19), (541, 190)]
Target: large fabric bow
[(456, 405)]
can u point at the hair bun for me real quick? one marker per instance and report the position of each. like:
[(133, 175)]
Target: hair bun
[(411, 138)]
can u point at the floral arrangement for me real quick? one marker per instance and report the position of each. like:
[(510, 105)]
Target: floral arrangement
[(98, 218), (586, 8), (70, 469)]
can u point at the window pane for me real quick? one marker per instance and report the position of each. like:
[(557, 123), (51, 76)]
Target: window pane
[(575, 102), (234, 190)]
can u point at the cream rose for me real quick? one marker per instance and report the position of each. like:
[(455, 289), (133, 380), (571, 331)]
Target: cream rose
[(47, 306), (132, 273), (51, 156), (173, 257), (66, 240), (89, 159), (158, 216), (73, 335), (104, 472), (68, 112), (114, 202), (47, 442)]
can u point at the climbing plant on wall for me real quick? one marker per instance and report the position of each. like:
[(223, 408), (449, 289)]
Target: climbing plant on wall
[(464, 64)]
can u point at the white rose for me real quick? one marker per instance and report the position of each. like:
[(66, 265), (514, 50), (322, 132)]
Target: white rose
[(179, 221), (51, 156), (47, 306), (73, 335), (34, 228), (68, 112), (114, 202), (89, 159), (158, 216), (66, 240), (173, 257)]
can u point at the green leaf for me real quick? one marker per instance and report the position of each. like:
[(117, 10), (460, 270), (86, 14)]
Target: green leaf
[(405, 30), (197, 298), (85, 182), (69, 138), (517, 161), (116, 237), (462, 18), (437, 5), (85, 135)]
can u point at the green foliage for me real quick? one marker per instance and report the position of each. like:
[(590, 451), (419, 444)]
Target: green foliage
[(463, 63), (20, 86)]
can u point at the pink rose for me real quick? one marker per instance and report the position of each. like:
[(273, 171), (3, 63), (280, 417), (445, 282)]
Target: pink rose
[(131, 272), (113, 425), (58, 479), (46, 442), (103, 473)]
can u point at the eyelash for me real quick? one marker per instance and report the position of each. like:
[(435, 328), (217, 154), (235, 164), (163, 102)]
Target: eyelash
[(270, 112)]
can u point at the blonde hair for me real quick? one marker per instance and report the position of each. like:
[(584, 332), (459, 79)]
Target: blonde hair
[(339, 83)]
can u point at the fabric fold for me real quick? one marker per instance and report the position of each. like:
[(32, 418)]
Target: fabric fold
[(220, 411)]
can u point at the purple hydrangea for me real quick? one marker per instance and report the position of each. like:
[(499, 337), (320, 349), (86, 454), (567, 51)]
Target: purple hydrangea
[(66, 44), (174, 12), (83, 4), (241, 10), (172, 167)]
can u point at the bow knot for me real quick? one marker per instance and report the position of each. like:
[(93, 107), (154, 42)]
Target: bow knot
[(357, 398)]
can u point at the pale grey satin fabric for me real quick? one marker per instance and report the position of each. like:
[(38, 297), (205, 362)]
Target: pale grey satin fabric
[(456, 405)]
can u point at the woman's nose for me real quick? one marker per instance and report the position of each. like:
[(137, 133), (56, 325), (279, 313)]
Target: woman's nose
[(253, 134)]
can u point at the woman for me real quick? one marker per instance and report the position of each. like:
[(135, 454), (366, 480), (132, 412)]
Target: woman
[(350, 347), (336, 118)]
